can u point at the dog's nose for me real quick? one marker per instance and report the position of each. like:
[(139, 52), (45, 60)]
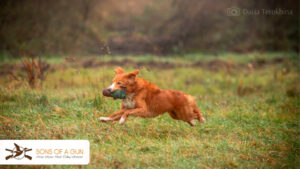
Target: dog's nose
[(106, 92)]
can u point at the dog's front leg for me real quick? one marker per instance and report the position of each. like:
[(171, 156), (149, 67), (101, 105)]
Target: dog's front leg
[(133, 112), (115, 116)]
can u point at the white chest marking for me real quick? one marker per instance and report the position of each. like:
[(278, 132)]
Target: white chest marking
[(128, 102)]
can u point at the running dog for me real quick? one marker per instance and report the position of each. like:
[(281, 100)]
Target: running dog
[(145, 99)]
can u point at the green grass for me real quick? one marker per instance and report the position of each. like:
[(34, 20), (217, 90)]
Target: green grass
[(186, 58), (258, 128)]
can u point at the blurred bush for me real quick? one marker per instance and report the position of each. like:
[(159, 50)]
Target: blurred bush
[(35, 70)]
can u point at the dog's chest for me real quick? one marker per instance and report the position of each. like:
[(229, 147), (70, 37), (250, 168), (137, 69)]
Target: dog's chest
[(128, 102)]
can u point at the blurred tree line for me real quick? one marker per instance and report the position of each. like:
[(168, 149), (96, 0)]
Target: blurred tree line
[(146, 26)]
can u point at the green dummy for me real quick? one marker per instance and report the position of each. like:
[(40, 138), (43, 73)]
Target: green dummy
[(118, 94)]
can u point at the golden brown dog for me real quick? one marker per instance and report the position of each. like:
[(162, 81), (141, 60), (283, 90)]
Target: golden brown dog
[(145, 99)]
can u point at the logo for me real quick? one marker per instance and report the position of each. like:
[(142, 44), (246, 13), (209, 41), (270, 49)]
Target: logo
[(44, 152), (18, 153), (233, 11)]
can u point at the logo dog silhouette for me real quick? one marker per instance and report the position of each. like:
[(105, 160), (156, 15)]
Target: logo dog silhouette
[(145, 99)]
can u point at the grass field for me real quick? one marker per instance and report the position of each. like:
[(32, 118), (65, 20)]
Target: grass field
[(251, 107)]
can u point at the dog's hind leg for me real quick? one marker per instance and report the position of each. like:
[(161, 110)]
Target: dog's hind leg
[(185, 114), (173, 115)]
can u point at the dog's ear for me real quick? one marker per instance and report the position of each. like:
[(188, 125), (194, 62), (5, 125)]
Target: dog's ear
[(119, 70), (133, 74)]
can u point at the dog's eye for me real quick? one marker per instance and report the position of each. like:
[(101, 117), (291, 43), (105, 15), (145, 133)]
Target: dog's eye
[(118, 83)]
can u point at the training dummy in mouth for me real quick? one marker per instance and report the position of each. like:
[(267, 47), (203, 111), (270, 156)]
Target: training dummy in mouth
[(118, 94)]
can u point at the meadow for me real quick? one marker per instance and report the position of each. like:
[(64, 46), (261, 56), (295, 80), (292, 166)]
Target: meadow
[(250, 102)]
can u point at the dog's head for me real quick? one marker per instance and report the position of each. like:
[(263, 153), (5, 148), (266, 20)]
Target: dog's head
[(122, 81)]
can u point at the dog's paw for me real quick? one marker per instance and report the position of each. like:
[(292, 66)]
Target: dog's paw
[(122, 121), (105, 119), (192, 123), (202, 120)]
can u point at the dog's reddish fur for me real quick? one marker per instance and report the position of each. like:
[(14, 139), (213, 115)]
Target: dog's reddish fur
[(145, 99)]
